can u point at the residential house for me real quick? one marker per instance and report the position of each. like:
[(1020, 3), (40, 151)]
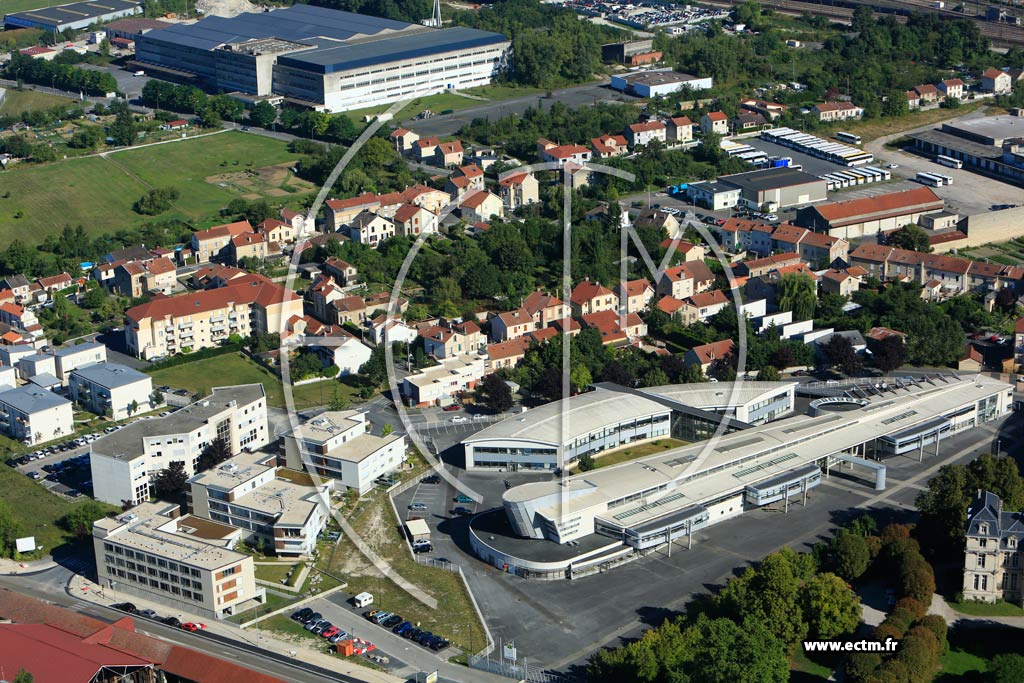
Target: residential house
[(839, 281), (518, 190), (952, 88), (738, 234), (705, 355), (426, 148), (281, 232), (679, 129), (508, 354), (562, 154), (576, 175), (168, 325), (993, 552), (135, 278), (19, 284), (609, 324), (827, 112), (411, 220), (812, 247), (544, 308), (344, 273), (348, 309), (321, 294), (714, 122), (135, 252), (55, 283), (481, 206), (645, 133), (448, 339), (592, 297), (701, 307), (996, 81), (688, 250), (608, 146), (296, 220), (770, 110), (511, 325), (636, 295), (211, 277), (441, 383), (404, 140), (686, 279), (713, 195), (34, 415), (340, 212), (370, 228), (21, 319), (656, 218), (747, 121), (913, 100), (449, 154), (928, 94), (387, 329), (956, 275), (251, 245), (342, 350), (208, 244), (763, 266)]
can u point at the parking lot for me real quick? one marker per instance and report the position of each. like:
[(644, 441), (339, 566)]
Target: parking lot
[(812, 165)]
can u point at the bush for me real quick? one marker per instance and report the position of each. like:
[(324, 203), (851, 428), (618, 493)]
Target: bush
[(912, 606), (937, 625), (861, 666), (156, 201)]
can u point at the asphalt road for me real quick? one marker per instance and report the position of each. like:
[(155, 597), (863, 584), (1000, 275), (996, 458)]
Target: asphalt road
[(450, 124)]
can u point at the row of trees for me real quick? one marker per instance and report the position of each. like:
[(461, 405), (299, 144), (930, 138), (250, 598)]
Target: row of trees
[(189, 99), (63, 76)]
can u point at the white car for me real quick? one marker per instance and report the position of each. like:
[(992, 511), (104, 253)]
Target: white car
[(894, 165), (459, 419)]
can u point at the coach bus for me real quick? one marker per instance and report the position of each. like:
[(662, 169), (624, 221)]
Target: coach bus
[(848, 138), (949, 161)]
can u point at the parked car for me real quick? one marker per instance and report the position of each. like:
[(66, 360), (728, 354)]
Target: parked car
[(419, 506), (302, 614), (402, 628), (172, 621), (459, 419), (148, 613), (452, 408), (431, 479), (315, 616), (330, 631), (340, 635), (462, 498), (424, 547), (460, 511), (192, 628), (321, 627), (392, 621), (439, 644), (411, 633), (125, 607)]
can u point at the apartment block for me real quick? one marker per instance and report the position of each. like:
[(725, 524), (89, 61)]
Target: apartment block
[(111, 389), (124, 462), (184, 562), (198, 320), (33, 415), (275, 507), (336, 444), (441, 383), (78, 356)]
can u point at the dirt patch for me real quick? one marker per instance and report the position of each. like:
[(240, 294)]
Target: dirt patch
[(263, 181), (225, 8), (276, 192)]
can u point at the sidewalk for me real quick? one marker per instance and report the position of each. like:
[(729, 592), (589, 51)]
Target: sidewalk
[(13, 567), (83, 589)]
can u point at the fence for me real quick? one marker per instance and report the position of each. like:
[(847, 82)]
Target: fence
[(521, 672)]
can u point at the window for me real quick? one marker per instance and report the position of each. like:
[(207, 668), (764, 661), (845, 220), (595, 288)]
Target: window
[(981, 561)]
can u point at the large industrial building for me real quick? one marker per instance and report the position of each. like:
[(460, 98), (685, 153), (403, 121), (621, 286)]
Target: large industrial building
[(322, 58), (777, 188), (991, 144), (76, 15), (594, 520)]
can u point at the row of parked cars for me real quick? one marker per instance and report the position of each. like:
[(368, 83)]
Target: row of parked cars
[(151, 614), (315, 623), (406, 629)]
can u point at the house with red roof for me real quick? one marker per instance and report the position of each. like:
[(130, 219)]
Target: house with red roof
[(544, 308), (448, 153), (714, 122), (679, 129), (636, 294), (403, 140), (645, 133), (511, 325), (250, 245), (706, 355), (699, 307), (411, 220), (592, 297), (609, 146), (448, 339), (996, 81), (685, 280), (518, 190), (281, 232), (952, 88), (613, 331), (481, 206), (343, 272), (562, 154), (837, 111), (208, 244)]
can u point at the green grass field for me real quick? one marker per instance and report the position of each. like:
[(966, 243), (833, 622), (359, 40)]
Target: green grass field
[(18, 101), (11, 6), (99, 192), (445, 101), (984, 609), (628, 453), (202, 375)]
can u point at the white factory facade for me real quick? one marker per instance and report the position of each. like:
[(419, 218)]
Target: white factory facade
[(614, 512), (326, 59)]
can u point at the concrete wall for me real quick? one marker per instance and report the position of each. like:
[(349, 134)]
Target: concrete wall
[(992, 226)]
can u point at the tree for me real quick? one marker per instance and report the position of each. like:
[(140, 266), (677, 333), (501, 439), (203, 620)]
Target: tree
[(386, 429), (943, 507), (798, 293), (840, 353), (1006, 668), (156, 201), (912, 237), (123, 130), (338, 401), (495, 393), (133, 407), (890, 353), (773, 599), (832, 609), (170, 484), (585, 462), (728, 652), (24, 677), (263, 114), (850, 555), (214, 454), (79, 519), (768, 373)]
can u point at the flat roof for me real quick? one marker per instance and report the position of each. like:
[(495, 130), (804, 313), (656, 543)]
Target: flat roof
[(958, 143), (659, 77), (995, 128), (708, 395), (326, 426), (193, 541), (749, 456), (361, 447), (73, 12), (583, 414), (330, 58), (31, 399), (770, 178), (78, 348), (110, 375), (126, 443)]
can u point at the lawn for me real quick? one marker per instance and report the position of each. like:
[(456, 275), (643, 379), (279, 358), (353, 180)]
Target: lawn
[(17, 101), (627, 453), (274, 573), (12, 6), (971, 649), (454, 617), (804, 670), (984, 609), (202, 375), (446, 100), (99, 192), (870, 129)]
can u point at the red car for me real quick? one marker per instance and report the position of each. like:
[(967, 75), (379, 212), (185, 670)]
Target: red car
[(452, 408), (189, 626), (327, 633)]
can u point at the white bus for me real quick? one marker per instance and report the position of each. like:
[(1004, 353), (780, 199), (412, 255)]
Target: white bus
[(849, 138), (943, 179), (949, 161), (929, 179)]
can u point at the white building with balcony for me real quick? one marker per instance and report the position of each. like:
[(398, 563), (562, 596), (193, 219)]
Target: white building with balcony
[(111, 389)]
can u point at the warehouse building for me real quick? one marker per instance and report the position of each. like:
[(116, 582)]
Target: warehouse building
[(321, 58), (870, 215), (992, 144), (76, 15), (776, 188), (658, 83), (605, 516)]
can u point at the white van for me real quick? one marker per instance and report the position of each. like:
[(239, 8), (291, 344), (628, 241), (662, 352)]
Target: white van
[(362, 600)]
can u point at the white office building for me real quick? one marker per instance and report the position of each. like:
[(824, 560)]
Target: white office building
[(276, 508), (111, 389), (187, 563), (441, 383), (124, 462), (336, 444)]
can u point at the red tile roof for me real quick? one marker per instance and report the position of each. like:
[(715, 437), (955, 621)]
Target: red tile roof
[(406, 212), (471, 171), (520, 316), (474, 200), (680, 121), (509, 349), (159, 266), (566, 151), (637, 287), (513, 180), (717, 116), (992, 73), (715, 350), (880, 333), (608, 143), (254, 289), (243, 240), (669, 304), (714, 297), (884, 205), (647, 126), (538, 301), (587, 291), (226, 230)]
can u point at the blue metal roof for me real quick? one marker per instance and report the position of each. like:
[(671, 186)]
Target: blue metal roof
[(298, 23), (331, 58)]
